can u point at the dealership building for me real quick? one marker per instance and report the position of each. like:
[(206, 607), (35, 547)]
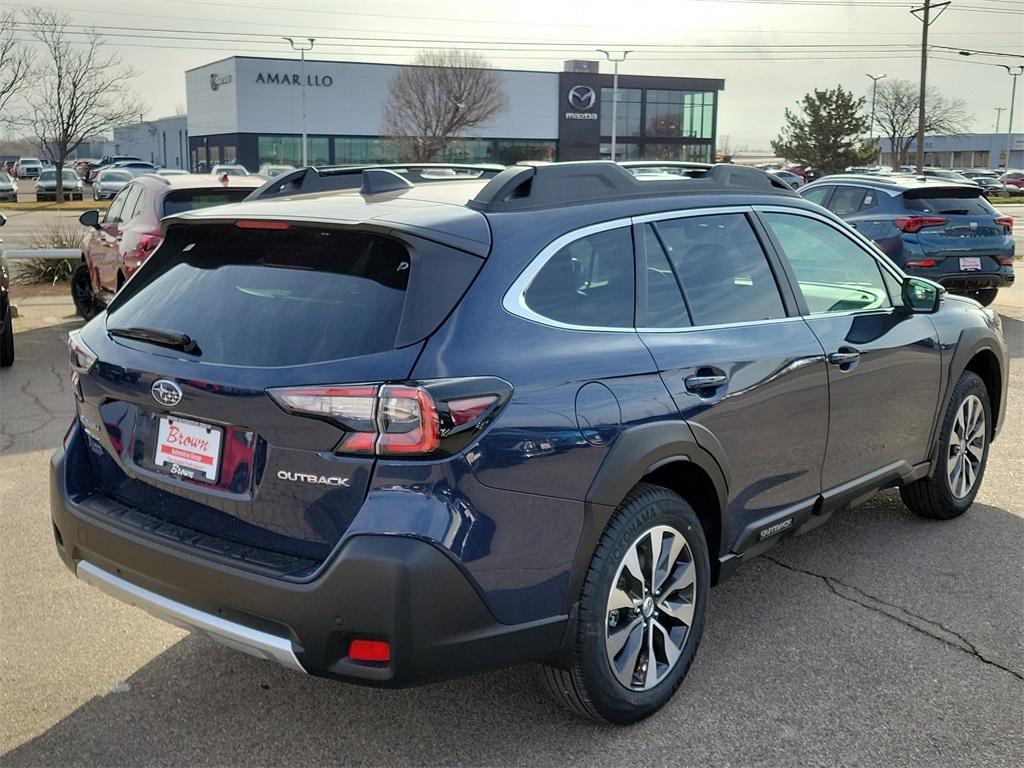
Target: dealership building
[(967, 150), (249, 110)]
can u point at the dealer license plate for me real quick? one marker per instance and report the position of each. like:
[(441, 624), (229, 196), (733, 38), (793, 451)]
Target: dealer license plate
[(190, 449)]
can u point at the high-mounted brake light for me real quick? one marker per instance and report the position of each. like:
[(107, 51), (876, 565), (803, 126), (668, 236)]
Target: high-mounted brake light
[(259, 224), (913, 224), (399, 419)]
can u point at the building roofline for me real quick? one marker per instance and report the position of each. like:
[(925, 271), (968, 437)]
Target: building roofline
[(496, 69)]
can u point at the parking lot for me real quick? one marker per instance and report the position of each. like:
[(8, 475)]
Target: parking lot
[(880, 639)]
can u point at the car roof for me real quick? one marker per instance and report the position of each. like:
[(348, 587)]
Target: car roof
[(195, 181), (894, 182)]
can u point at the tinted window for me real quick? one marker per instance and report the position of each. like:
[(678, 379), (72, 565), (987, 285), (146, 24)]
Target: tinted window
[(307, 295), (665, 307), (132, 199), (816, 194), (948, 201), (189, 199), (834, 273), (723, 269), (589, 282), (114, 211), (846, 200)]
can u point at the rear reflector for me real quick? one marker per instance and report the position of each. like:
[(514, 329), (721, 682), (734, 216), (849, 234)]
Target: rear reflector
[(369, 650), (920, 263), (258, 224), (1006, 261)]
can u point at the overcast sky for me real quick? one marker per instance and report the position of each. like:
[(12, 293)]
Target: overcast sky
[(770, 52)]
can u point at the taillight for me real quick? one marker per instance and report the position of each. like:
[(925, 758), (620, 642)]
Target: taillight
[(1005, 221), (80, 357), (920, 263), (917, 223), (148, 243), (400, 419), (1006, 261)]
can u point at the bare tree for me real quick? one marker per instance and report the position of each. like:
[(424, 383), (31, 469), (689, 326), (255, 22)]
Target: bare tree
[(15, 63), (445, 94), (81, 91), (896, 105)]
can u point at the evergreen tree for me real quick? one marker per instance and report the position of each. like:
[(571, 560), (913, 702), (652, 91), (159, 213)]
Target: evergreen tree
[(827, 132)]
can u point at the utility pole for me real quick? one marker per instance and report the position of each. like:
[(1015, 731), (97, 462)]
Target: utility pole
[(871, 127), (615, 93), (927, 20), (302, 48), (1013, 72), (999, 115)]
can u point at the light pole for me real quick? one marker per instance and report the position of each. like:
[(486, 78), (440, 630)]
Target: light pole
[(615, 92), (302, 48), (1014, 72), (871, 128)]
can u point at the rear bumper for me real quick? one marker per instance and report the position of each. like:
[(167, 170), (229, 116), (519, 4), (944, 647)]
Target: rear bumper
[(967, 281), (395, 588)]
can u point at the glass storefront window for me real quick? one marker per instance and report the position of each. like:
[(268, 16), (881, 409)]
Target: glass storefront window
[(287, 150), (680, 114), (624, 150), (512, 151), (627, 115), (689, 153)]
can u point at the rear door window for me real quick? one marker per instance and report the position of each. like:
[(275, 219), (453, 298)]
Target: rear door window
[(588, 283), (272, 297), (182, 200), (846, 200), (952, 202), (724, 271)]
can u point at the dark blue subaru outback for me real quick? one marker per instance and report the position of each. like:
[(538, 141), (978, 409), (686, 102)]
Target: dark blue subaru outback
[(403, 433)]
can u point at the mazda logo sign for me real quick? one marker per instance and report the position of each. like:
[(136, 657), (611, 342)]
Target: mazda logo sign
[(166, 392), (582, 97)]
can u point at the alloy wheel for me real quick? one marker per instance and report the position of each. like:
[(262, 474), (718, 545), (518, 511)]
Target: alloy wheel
[(650, 608), (966, 447)]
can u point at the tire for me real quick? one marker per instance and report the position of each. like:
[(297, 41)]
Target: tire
[(7, 341), (948, 493), (592, 687), (985, 296), (81, 292)]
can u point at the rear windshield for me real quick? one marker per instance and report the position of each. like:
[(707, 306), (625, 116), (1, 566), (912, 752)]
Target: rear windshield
[(964, 202), (272, 298), (189, 199)]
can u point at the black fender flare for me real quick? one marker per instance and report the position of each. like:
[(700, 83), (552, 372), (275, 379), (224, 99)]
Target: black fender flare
[(636, 452)]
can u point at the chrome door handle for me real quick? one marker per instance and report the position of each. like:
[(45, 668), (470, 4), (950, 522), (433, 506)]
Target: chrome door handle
[(711, 381), (844, 356)]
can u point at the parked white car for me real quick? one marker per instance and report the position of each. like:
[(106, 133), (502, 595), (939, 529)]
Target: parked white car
[(46, 185)]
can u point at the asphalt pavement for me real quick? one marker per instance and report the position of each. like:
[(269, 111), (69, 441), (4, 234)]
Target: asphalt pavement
[(880, 639)]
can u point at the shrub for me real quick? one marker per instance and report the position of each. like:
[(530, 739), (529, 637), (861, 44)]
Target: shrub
[(55, 233)]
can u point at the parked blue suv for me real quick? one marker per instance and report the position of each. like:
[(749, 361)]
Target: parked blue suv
[(402, 433), (929, 226)]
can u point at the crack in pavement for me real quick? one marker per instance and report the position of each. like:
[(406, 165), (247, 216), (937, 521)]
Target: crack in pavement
[(835, 584)]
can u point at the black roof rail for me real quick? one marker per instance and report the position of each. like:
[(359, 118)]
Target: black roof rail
[(304, 181), (546, 186)]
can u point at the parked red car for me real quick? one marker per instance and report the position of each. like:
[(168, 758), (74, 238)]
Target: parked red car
[(1013, 178), (122, 238)]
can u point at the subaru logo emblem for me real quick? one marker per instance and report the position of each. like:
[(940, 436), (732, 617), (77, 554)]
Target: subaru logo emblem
[(582, 97), (166, 392)]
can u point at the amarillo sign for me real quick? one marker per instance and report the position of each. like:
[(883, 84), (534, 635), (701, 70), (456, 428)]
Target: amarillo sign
[(283, 78)]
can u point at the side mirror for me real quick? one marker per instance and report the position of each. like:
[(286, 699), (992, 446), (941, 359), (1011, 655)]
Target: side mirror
[(90, 219), (3, 219), (920, 295)]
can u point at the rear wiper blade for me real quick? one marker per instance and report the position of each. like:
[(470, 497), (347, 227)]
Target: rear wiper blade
[(955, 212), (160, 337)]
